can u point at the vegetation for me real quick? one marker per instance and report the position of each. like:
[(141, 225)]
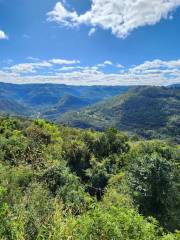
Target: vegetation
[(51, 100), (58, 183), (150, 112)]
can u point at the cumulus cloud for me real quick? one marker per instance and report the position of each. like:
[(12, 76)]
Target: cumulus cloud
[(43, 64), (63, 16), (119, 16), (108, 63), (29, 67), (156, 65), (156, 72), (22, 68), (105, 64), (35, 65), (3, 35), (75, 68), (64, 61)]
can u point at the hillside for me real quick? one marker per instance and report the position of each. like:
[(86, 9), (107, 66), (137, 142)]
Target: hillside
[(49, 94), (50, 100), (148, 111), (58, 182), (67, 103), (12, 107)]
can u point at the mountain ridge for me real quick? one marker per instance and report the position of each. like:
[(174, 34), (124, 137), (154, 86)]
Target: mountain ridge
[(147, 111), (43, 97)]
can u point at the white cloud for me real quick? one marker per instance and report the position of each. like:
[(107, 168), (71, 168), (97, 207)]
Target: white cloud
[(75, 68), (35, 65), (22, 68), (3, 35), (119, 16), (91, 32), (29, 67), (64, 69), (104, 64), (63, 16), (43, 64), (156, 72), (156, 65), (64, 61), (108, 63)]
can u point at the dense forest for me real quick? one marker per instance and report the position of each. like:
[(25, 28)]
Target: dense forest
[(58, 182), (50, 101), (148, 111)]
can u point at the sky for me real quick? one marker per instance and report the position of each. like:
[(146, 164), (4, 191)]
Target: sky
[(90, 42)]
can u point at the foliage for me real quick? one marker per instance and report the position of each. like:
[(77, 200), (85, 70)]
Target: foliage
[(58, 183)]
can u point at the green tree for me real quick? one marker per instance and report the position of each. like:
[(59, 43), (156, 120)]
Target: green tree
[(153, 181)]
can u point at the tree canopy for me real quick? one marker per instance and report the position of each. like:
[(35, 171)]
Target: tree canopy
[(59, 182)]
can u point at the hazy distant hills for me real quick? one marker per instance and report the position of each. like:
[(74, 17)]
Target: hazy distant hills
[(50, 94), (51, 100), (11, 107), (148, 111)]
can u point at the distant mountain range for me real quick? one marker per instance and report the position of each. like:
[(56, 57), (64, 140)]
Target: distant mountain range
[(146, 111), (51, 100)]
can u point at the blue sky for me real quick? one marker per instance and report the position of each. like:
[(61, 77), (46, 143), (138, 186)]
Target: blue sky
[(85, 42)]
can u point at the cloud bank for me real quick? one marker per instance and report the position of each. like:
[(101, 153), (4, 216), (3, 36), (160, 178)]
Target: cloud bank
[(119, 16), (156, 72), (34, 66)]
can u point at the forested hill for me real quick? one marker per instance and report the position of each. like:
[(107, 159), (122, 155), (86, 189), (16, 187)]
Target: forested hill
[(51, 100), (59, 183), (147, 111), (13, 107), (151, 112)]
